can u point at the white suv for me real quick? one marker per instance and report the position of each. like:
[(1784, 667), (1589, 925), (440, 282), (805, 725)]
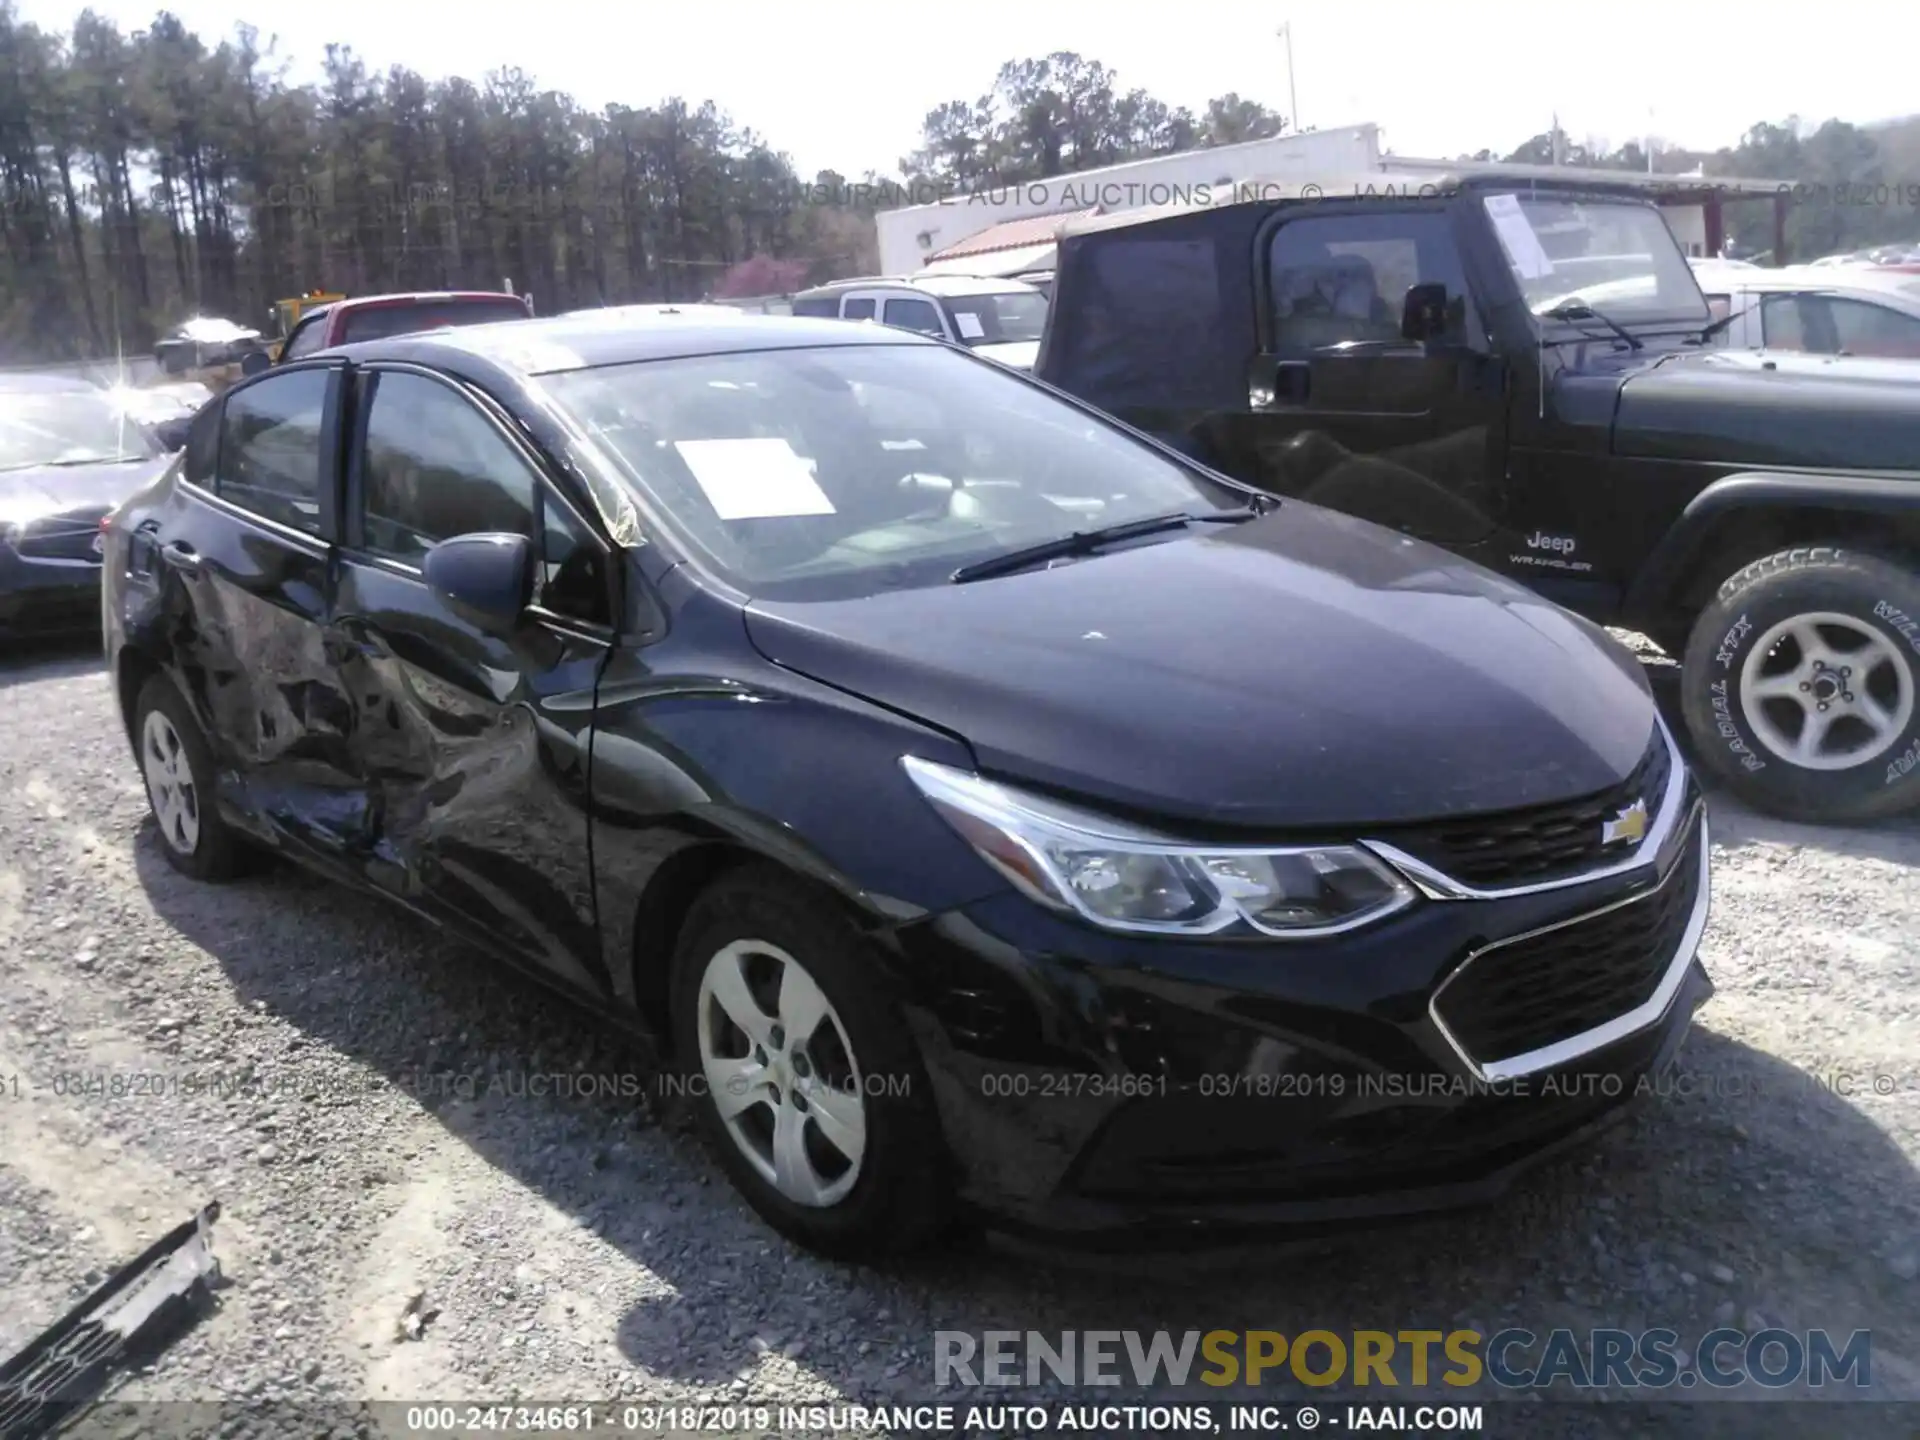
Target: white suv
[(1000, 319)]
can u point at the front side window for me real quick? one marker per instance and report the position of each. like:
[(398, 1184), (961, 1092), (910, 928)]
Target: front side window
[(849, 470), (1343, 279), (918, 315), (1616, 256), (270, 447), (434, 467), (1783, 322)]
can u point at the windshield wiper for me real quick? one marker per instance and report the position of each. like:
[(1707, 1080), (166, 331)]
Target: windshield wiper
[(74, 464), (1085, 542), (1578, 310), (1722, 323)]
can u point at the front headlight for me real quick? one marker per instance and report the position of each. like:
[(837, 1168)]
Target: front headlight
[(1124, 878)]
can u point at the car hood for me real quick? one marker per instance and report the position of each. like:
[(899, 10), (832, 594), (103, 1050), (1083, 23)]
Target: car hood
[(32, 494), (1767, 407), (1020, 354), (1305, 669)]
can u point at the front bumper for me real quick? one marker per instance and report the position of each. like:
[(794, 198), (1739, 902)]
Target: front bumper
[(1098, 1086), (47, 596)]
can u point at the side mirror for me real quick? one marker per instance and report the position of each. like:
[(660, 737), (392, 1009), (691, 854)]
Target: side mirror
[(256, 361), (487, 579), (172, 434), (1425, 314)]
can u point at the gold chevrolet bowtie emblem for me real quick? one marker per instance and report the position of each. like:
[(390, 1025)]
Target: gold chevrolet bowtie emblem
[(1629, 825)]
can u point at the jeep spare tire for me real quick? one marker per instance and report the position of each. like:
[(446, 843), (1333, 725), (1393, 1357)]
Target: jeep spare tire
[(1801, 684)]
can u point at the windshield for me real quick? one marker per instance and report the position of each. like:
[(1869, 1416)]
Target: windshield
[(66, 428), (1010, 315), (1618, 257), (378, 322), (848, 470)]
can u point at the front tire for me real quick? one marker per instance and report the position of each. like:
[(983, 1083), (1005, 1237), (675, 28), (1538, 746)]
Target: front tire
[(1801, 685), (806, 1081), (178, 769)]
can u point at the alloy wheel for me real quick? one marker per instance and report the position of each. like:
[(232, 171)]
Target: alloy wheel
[(1825, 691), (170, 785), (781, 1073)]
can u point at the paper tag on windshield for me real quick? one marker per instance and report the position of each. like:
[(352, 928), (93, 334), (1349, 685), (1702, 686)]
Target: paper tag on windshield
[(754, 479), (970, 326), (1516, 236)]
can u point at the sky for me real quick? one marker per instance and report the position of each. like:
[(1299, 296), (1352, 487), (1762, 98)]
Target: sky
[(845, 85)]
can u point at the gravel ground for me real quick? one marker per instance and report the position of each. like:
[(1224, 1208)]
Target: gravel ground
[(565, 1247)]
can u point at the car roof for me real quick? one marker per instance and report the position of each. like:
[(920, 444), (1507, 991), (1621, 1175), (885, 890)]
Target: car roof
[(1885, 286), (579, 342), (941, 285), (413, 297), (1376, 184)]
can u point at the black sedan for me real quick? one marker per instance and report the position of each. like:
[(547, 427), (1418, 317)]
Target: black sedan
[(993, 810), (68, 455)]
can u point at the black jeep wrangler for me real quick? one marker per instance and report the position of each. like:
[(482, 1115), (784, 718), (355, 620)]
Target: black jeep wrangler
[(1525, 371)]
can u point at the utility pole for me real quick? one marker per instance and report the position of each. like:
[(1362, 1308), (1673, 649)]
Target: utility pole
[(1285, 32)]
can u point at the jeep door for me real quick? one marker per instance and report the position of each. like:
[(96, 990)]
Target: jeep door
[(232, 578), (1342, 410), (475, 740)]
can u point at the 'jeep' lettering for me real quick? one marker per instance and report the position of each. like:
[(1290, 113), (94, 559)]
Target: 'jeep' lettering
[(1724, 655), (1730, 732), (1560, 544), (1900, 621)]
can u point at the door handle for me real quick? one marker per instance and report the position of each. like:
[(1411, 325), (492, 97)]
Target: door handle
[(1292, 380), (181, 556), (349, 640)]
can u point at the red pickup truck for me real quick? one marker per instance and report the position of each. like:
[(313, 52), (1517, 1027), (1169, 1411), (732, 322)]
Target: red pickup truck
[(376, 317)]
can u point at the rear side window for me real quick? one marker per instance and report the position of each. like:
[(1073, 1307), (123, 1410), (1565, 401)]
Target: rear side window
[(1150, 326), (380, 321), (308, 336), (825, 307), (858, 310), (914, 315), (435, 467), (270, 435)]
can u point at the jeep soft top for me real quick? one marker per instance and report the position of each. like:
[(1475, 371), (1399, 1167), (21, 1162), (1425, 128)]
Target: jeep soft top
[(1523, 369)]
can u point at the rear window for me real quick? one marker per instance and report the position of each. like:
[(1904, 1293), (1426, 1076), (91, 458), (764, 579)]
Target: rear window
[(380, 321)]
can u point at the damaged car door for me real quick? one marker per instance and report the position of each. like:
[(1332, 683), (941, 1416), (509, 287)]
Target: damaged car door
[(473, 733), (235, 563)]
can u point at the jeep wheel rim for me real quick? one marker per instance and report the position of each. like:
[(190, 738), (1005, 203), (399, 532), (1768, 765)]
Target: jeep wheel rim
[(170, 789), (1825, 691), (780, 1072)]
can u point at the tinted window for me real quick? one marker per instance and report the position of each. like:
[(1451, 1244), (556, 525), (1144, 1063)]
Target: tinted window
[(1345, 278), (379, 321), (1149, 327), (573, 574), (1782, 325), (308, 336), (858, 310), (435, 467), (824, 306), (1866, 329), (270, 447), (914, 315)]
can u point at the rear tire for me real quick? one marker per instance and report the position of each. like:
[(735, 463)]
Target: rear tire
[(1801, 685), (831, 1134), (177, 766)]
